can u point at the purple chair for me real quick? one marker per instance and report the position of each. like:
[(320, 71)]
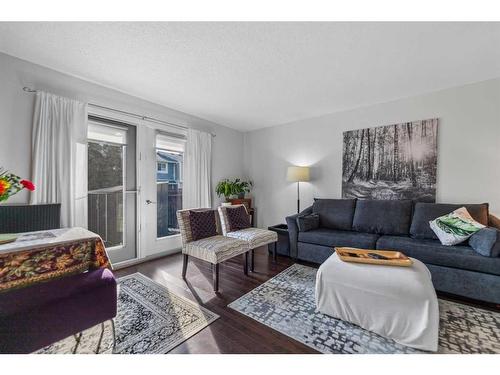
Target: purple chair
[(36, 316)]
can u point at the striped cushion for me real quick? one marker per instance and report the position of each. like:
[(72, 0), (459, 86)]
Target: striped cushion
[(255, 237), (216, 249)]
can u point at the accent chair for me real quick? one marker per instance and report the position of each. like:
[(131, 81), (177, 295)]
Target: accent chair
[(254, 237), (213, 249)]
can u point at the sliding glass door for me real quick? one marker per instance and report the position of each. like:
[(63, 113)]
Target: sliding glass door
[(112, 187)]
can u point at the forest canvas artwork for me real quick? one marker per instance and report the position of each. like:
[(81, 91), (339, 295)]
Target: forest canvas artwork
[(391, 162)]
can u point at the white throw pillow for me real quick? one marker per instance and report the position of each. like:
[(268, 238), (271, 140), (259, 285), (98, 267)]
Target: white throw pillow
[(455, 227)]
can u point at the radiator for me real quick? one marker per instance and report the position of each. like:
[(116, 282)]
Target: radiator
[(28, 218)]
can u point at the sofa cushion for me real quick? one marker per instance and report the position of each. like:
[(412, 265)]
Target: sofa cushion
[(423, 213), (308, 222), (432, 252), (335, 213), (332, 237), (486, 242), (383, 216)]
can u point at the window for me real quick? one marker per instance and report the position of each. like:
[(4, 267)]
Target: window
[(169, 161)]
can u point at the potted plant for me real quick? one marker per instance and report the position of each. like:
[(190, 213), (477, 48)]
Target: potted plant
[(242, 187), (233, 188)]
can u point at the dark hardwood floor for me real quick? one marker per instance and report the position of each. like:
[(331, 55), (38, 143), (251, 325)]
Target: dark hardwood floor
[(232, 332)]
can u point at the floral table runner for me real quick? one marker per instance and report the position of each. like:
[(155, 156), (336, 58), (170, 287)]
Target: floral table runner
[(41, 256)]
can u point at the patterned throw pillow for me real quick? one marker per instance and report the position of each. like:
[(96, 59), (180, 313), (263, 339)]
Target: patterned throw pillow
[(237, 218), (455, 227), (202, 224)]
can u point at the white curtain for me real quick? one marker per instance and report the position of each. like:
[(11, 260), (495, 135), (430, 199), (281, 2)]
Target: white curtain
[(197, 170), (59, 153)]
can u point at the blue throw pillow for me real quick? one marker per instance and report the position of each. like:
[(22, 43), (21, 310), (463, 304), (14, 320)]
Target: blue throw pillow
[(486, 242), (308, 222)]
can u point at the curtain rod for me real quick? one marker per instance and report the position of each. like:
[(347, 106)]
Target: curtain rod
[(150, 119)]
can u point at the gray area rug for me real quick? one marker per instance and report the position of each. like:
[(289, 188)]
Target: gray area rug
[(286, 303), (150, 320)]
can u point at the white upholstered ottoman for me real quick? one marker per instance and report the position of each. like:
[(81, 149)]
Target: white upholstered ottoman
[(395, 302)]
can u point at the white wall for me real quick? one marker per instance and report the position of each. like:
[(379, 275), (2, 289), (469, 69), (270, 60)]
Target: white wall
[(16, 111), (468, 149)]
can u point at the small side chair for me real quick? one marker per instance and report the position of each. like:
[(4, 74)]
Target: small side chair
[(211, 247), (234, 227)]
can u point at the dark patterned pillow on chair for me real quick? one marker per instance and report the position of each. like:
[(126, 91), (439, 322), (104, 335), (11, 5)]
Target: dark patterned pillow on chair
[(202, 224), (237, 218)]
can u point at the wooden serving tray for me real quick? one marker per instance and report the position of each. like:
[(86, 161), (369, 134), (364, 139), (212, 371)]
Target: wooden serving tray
[(395, 258)]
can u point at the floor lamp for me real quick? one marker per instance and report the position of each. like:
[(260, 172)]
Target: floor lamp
[(298, 175)]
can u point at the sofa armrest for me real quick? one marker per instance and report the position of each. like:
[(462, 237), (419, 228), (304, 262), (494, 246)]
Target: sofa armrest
[(493, 221), (293, 230)]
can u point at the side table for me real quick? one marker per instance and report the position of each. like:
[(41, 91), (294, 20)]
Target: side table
[(283, 245)]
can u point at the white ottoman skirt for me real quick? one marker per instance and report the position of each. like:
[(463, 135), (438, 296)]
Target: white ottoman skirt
[(395, 302)]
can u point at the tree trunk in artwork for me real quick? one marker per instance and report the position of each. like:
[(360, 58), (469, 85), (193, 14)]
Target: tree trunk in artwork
[(369, 158), (413, 177), (351, 177), (374, 149), (381, 173), (395, 159)]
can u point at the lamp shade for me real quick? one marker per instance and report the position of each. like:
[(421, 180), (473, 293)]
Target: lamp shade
[(297, 174)]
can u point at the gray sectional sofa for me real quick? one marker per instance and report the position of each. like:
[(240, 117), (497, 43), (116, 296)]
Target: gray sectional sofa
[(402, 225)]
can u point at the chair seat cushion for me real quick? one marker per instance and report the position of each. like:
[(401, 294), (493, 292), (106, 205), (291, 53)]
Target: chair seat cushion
[(432, 252), (255, 237), (332, 237), (216, 249)]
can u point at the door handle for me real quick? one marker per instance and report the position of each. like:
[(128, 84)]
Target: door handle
[(149, 202)]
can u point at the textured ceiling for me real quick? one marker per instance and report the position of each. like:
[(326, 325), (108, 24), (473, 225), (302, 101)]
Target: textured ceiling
[(253, 75)]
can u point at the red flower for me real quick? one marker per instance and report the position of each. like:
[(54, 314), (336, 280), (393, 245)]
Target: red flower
[(28, 185)]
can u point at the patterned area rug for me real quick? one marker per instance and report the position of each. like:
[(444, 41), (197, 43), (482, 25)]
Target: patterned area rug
[(150, 320), (286, 303)]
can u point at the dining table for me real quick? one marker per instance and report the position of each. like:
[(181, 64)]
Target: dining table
[(46, 255)]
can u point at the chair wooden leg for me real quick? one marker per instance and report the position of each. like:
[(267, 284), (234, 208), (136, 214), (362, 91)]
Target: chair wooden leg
[(215, 276), (275, 250), (113, 330), (100, 339), (78, 338), (184, 265), (245, 263), (251, 260)]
